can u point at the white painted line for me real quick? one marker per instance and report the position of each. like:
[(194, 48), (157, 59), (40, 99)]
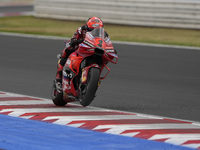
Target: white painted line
[(63, 120), (114, 42), (157, 45), (176, 138), (192, 145), (20, 111), (23, 102), (116, 128), (34, 36)]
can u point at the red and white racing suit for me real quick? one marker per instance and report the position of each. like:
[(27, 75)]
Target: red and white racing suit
[(70, 47)]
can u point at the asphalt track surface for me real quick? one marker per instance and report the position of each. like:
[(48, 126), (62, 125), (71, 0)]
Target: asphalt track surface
[(151, 80)]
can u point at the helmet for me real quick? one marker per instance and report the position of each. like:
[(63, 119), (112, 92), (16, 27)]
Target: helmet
[(94, 22)]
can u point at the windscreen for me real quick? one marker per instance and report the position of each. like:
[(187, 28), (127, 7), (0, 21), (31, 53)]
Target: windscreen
[(98, 33)]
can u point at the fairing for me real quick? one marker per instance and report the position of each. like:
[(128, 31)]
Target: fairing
[(96, 45)]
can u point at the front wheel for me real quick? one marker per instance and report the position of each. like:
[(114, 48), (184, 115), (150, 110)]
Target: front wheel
[(90, 88)]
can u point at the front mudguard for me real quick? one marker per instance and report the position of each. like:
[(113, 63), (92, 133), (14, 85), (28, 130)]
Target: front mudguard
[(85, 71)]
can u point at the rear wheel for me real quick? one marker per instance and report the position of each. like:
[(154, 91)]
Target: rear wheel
[(89, 89), (57, 97)]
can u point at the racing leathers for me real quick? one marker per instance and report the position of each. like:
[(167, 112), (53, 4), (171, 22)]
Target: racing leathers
[(70, 47)]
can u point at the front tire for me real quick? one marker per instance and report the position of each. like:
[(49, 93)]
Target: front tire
[(89, 91)]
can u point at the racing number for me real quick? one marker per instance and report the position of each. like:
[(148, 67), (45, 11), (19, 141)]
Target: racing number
[(100, 43)]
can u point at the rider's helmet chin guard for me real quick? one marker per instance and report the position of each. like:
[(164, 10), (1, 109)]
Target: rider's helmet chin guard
[(94, 22)]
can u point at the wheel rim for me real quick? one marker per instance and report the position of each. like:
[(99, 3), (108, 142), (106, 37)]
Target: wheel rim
[(84, 90)]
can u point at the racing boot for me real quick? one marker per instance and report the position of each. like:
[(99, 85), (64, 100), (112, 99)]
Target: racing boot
[(58, 80)]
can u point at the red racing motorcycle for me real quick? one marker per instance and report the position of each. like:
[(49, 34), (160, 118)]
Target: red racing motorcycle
[(83, 69)]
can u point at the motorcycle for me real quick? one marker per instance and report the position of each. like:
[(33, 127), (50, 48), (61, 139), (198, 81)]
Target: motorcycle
[(83, 69)]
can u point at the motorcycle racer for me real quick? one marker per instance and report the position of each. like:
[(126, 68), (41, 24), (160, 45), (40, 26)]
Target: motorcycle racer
[(84, 69), (72, 45)]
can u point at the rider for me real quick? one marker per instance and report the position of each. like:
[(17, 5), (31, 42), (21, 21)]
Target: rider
[(72, 45)]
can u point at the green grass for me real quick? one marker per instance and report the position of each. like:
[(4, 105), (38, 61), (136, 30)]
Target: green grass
[(39, 26)]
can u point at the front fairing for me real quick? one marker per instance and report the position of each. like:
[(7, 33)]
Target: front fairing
[(98, 39)]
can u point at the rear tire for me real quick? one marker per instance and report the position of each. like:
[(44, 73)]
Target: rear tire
[(57, 97), (90, 87)]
